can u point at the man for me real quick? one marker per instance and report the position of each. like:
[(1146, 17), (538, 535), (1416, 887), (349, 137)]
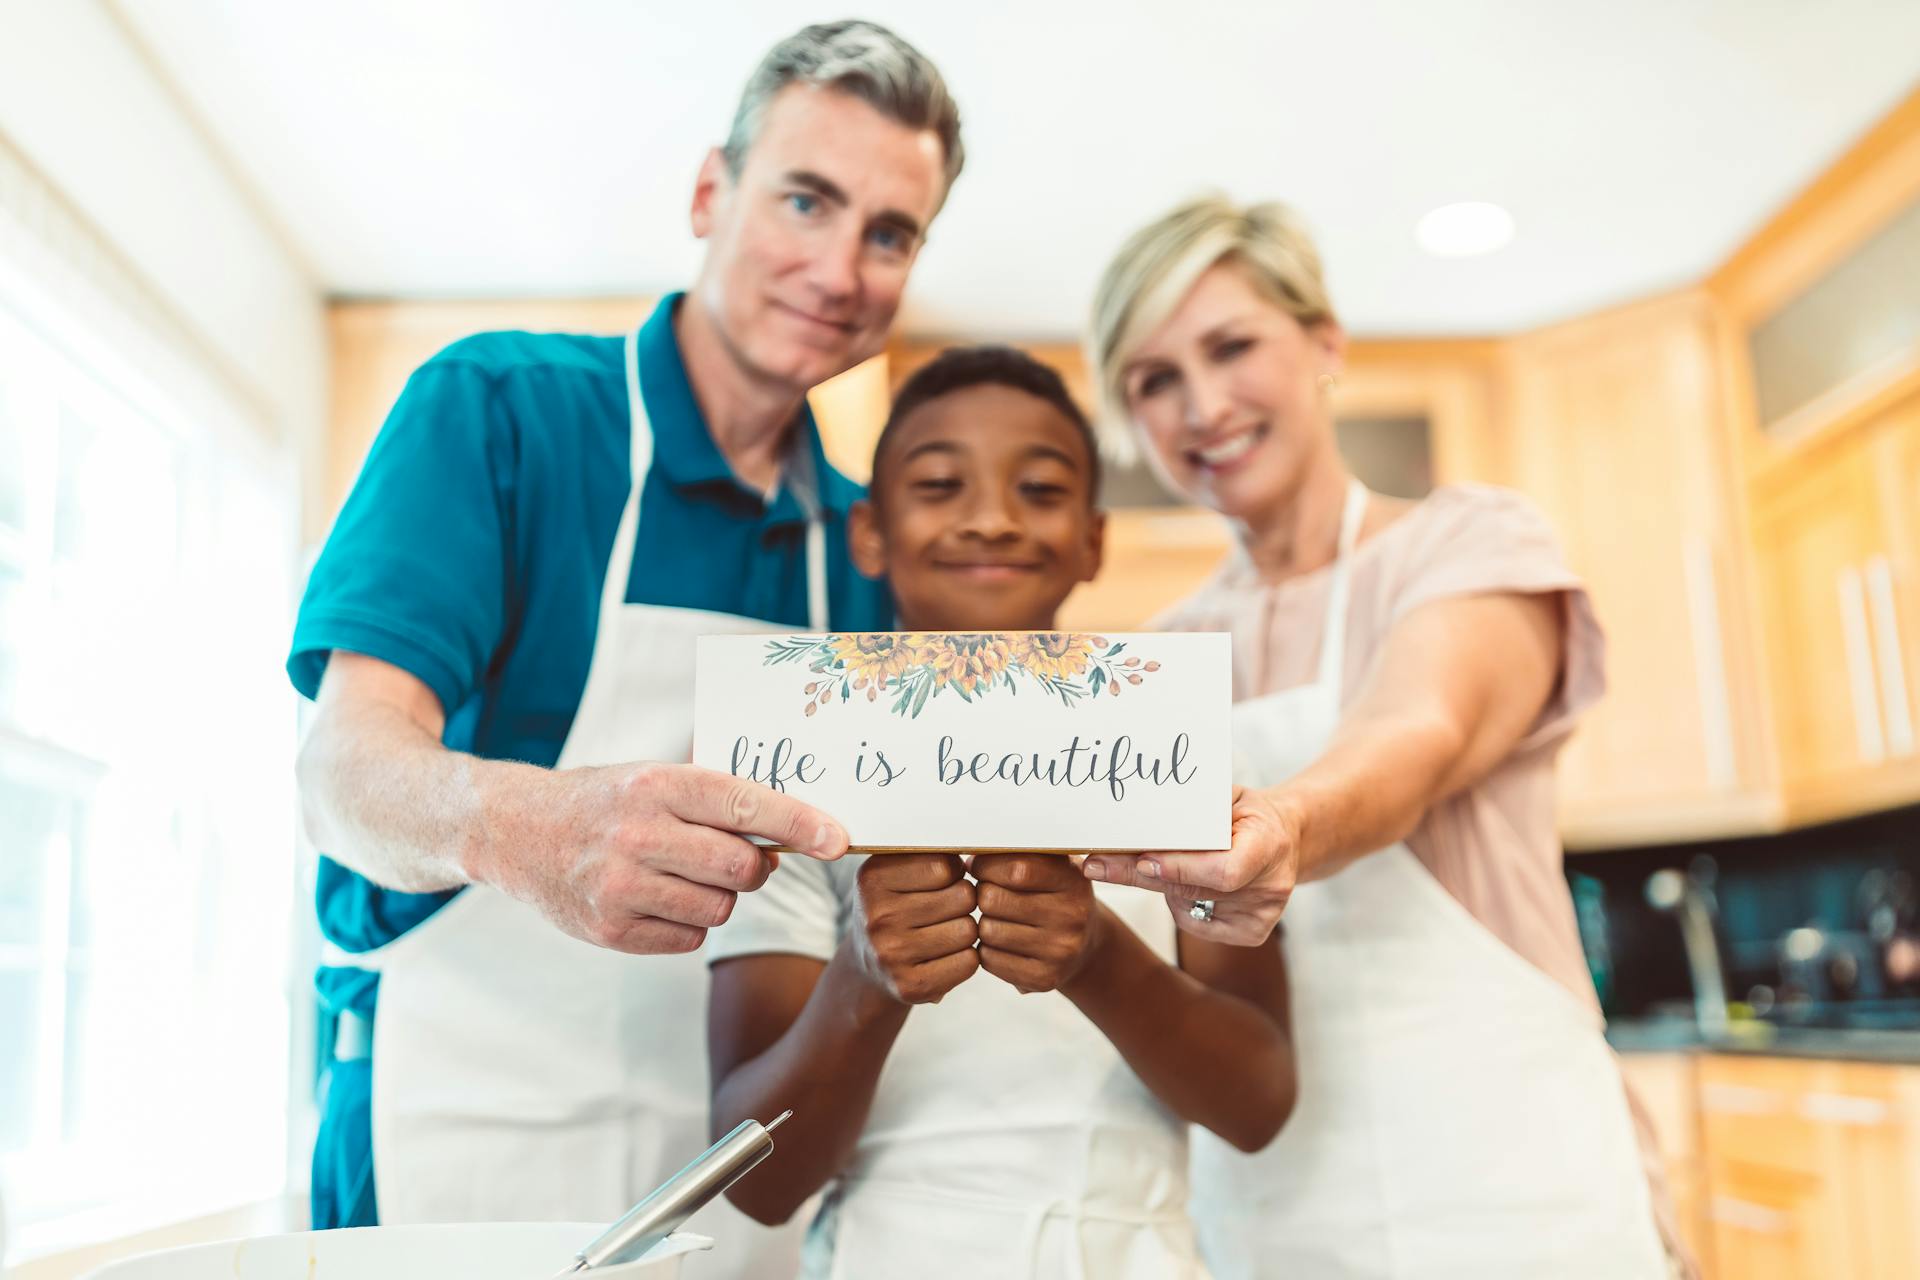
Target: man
[(542, 528)]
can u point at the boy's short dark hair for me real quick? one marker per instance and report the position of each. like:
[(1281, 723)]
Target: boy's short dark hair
[(957, 368)]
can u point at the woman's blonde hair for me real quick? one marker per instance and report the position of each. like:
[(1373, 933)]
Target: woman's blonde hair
[(1159, 263)]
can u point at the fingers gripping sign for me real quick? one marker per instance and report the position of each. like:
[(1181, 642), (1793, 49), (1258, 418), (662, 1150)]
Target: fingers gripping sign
[(645, 858), (1248, 885), (709, 798), (914, 934), (1039, 922)]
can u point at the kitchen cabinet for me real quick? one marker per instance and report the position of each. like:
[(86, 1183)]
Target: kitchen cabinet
[(1812, 1167), (1155, 557), (1666, 1088), (1839, 568), (1616, 426), (1894, 586), (1831, 460)]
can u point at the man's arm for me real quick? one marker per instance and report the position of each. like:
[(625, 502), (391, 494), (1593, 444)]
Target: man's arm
[(638, 857)]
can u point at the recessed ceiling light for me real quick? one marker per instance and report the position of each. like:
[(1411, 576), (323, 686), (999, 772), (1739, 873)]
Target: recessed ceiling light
[(1464, 230)]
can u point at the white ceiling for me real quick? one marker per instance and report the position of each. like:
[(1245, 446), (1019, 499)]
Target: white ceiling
[(501, 147)]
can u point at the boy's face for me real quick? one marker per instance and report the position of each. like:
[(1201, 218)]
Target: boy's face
[(982, 518)]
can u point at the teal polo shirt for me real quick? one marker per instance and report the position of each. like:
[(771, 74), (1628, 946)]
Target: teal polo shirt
[(473, 548)]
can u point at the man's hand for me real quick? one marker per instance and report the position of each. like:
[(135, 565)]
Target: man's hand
[(914, 935), (1038, 919), (638, 857), (645, 858)]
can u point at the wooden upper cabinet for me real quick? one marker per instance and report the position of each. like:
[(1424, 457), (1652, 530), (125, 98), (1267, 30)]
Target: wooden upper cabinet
[(1896, 454), (1155, 558), (1840, 577), (850, 410), (1821, 344), (1823, 554), (1616, 426)]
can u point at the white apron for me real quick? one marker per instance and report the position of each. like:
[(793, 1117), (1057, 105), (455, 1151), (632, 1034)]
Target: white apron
[(522, 1075), (1009, 1139), (1459, 1114)]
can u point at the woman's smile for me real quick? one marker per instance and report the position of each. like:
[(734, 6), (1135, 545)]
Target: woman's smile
[(1225, 452)]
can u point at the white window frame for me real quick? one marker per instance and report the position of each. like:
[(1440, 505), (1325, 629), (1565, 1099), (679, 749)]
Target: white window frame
[(115, 344)]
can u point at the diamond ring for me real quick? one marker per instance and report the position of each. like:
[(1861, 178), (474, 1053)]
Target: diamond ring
[(1202, 911)]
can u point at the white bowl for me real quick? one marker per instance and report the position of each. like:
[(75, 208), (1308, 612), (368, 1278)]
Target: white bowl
[(470, 1251)]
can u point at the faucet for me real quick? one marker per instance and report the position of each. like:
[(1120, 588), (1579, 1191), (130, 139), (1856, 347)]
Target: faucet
[(1688, 896)]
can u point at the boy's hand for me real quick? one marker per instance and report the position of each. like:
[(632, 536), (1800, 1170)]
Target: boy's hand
[(1038, 919), (915, 933)]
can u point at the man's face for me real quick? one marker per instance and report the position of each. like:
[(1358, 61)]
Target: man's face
[(808, 249)]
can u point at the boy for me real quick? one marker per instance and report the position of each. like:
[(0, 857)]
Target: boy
[(997, 1135)]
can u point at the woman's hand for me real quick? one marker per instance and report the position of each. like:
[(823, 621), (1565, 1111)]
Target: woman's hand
[(1038, 920), (1249, 884), (915, 932)]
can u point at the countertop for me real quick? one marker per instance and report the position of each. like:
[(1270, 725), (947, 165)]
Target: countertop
[(1763, 1039)]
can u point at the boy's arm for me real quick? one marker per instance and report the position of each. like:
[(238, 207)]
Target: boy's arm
[(786, 1032), (1211, 1037)]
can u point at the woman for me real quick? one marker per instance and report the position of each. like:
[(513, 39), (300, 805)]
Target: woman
[(1406, 674)]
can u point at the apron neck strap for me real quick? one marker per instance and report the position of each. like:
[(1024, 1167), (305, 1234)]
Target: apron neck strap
[(798, 472), (1333, 635)]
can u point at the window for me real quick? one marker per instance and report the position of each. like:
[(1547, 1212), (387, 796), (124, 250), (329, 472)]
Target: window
[(1862, 313), (147, 877)]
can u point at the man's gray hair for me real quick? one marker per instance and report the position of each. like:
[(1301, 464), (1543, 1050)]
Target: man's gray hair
[(859, 58)]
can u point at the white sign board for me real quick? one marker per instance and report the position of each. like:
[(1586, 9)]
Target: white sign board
[(981, 740)]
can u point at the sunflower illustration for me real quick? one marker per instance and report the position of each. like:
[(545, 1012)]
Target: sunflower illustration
[(1054, 655), (967, 661), (876, 657), (911, 668)]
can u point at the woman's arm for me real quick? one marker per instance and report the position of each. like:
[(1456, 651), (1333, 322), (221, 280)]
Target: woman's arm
[(1458, 683), (1212, 1042), (1457, 686), (788, 1032)]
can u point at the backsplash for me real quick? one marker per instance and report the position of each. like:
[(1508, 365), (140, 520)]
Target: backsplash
[(1807, 920)]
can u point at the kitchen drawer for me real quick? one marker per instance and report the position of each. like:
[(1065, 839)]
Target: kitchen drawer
[(1811, 1161), (1752, 1113)]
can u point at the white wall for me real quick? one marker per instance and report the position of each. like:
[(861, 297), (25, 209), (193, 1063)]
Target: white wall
[(80, 100)]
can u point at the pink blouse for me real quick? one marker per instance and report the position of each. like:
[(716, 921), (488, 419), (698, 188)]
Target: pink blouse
[(1494, 846)]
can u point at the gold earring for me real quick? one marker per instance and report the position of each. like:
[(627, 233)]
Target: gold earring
[(1328, 381)]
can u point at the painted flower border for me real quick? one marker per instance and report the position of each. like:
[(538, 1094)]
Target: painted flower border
[(913, 667)]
